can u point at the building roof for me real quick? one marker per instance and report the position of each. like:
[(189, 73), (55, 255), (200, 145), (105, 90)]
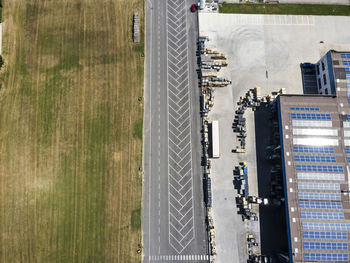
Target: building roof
[(340, 70), (315, 147), (315, 154)]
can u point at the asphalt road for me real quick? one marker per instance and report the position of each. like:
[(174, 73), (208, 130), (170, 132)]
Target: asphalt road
[(173, 209)]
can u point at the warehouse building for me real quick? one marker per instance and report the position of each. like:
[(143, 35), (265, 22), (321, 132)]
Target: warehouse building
[(314, 135), (333, 71)]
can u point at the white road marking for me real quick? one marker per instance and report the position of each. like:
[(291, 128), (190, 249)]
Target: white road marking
[(179, 257), (150, 163)]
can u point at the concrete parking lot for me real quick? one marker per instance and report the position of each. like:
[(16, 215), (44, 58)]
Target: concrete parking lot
[(263, 51)]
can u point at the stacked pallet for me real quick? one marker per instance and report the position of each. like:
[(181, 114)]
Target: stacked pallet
[(136, 30)]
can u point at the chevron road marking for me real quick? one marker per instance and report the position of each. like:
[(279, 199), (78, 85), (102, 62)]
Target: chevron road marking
[(178, 257), (180, 181)]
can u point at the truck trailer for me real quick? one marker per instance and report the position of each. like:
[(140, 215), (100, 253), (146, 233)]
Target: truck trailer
[(215, 139)]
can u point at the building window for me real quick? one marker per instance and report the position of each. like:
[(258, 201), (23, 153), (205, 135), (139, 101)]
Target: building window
[(323, 68), (318, 69), (324, 79), (326, 91), (319, 83)]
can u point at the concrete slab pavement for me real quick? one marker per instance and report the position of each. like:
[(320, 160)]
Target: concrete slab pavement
[(263, 51)]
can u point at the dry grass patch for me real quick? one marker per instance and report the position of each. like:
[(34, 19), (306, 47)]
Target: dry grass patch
[(69, 158)]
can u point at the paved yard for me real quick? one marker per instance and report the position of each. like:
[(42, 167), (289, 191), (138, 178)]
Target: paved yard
[(263, 51)]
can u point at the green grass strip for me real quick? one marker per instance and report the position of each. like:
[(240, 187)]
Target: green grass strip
[(286, 9)]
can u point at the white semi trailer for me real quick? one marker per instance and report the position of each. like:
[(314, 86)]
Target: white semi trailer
[(215, 139)]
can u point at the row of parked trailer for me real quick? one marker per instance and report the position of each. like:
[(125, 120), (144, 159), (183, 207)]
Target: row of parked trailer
[(210, 62)]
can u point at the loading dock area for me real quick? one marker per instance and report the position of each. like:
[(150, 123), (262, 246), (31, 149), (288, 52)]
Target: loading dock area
[(264, 51)]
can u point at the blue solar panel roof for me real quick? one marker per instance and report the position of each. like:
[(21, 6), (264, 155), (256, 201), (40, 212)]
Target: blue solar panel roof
[(326, 226), (319, 168), (325, 235), (326, 245), (309, 158), (312, 116), (314, 175), (305, 108), (319, 196), (320, 205), (313, 149), (322, 215), (326, 257)]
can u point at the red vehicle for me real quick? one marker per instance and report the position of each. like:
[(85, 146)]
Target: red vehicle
[(194, 8)]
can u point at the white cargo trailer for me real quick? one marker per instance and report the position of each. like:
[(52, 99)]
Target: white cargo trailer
[(215, 139)]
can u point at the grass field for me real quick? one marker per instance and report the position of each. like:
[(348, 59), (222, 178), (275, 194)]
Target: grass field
[(70, 132), (286, 9)]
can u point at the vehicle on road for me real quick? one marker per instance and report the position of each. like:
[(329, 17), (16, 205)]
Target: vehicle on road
[(194, 8)]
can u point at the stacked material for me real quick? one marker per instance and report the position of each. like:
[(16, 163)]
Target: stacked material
[(136, 30)]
